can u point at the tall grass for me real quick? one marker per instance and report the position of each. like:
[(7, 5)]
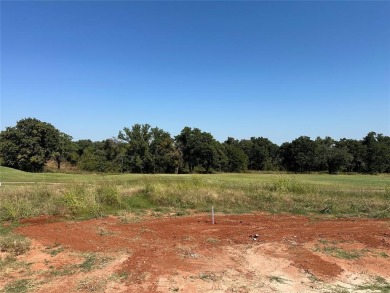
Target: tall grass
[(283, 193)]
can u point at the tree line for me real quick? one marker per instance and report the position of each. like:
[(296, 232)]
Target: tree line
[(31, 143)]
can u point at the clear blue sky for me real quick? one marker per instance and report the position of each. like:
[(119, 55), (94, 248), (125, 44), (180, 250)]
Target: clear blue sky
[(273, 69)]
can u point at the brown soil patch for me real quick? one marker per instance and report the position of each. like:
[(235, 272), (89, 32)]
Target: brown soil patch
[(189, 254)]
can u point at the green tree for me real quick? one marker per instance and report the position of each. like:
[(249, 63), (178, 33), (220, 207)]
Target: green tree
[(198, 149), (299, 155), (358, 152), (29, 145), (149, 150), (322, 151), (237, 160), (94, 159), (338, 159), (378, 152), (262, 153), (65, 149), (165, 158), (137, 139)]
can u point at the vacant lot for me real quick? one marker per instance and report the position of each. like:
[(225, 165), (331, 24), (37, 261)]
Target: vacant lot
[(189, 254), (136, 233)]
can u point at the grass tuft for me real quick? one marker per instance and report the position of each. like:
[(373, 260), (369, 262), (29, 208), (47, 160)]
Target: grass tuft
[(18, 286), (14, 244)]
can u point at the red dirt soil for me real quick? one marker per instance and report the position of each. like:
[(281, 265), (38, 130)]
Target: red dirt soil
[(189, 254)]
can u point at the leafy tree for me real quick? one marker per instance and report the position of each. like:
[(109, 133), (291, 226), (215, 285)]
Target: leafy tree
[(137, 140), (378, 152), (237, 160), (81, 145), (149, 150), (29, 145), (262, 153), (185, 145), (338, 159), (65, 149), (322, 150), (198, 149), (286, 156), (358, 152), (165, 158), (93, 159), (299, 155)]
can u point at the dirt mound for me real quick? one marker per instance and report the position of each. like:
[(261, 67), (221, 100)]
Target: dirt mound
[(240, 253)]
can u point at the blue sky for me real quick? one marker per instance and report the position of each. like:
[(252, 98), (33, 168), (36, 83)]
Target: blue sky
[(273, 69)]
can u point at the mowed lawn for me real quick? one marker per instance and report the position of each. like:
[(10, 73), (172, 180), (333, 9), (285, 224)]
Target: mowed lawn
[(8, 175)]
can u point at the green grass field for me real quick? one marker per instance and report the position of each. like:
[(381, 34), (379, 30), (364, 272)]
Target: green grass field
[(94, 195), (8, 175)]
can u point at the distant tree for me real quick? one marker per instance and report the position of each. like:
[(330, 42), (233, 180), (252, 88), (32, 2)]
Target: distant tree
[(64, 150), (338, 159), (94, 159), (237, 160), (29, 145), (81, 145), (322, 151), (262, 153), (165, 157), (137, 139), (114, 151), (358, 152), (149, 150), (286, 157), (299, 155), (378, 152), (198, 149), (185, 144)]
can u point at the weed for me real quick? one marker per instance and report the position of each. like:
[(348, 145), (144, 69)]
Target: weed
[(340, 253), (323, 241), (208, 276), (53, 251), (64, 271), (93, 261), (7, 228), (7, 260), (92, 285), (18, 286), (14, 243), (378, 285), (102, 231), (212, 240), (187, 252), (233, 193), (290, 185), (119, 276), (343, 254), (312, 278), (108, 195), (126, 217), (277, 279)]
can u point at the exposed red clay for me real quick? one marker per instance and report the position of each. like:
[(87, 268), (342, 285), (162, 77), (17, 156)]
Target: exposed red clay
[(170, 253)]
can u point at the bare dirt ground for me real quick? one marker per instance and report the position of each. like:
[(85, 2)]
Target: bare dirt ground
[(189, 254)]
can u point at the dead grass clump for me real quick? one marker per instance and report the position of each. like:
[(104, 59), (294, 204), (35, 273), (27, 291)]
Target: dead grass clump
[(14, 244)]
